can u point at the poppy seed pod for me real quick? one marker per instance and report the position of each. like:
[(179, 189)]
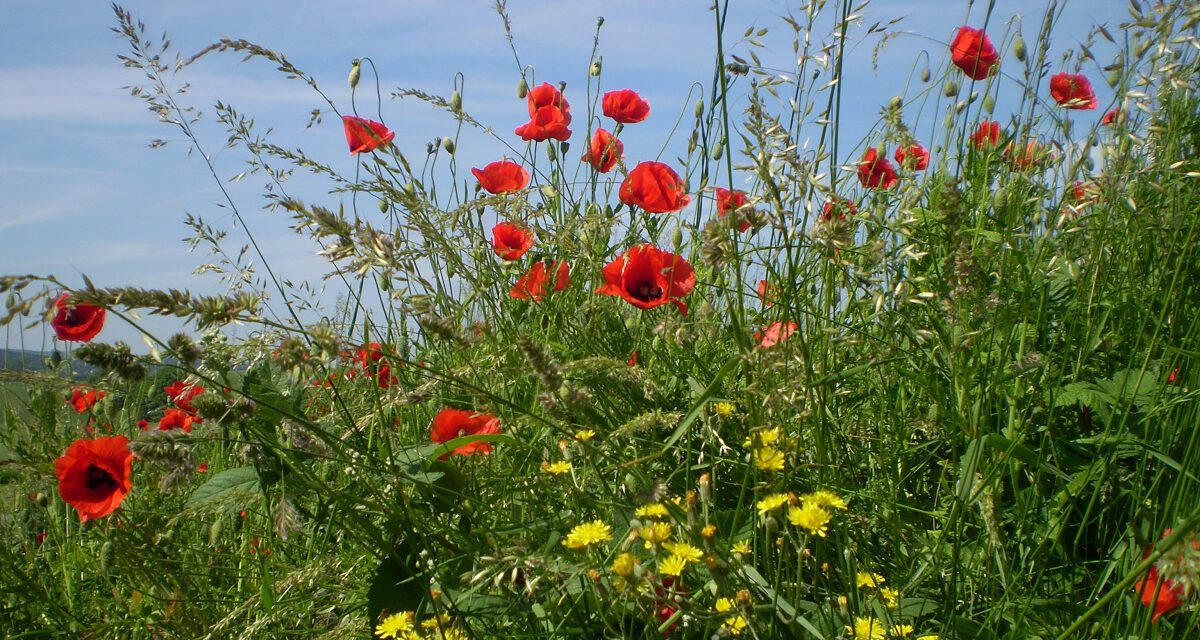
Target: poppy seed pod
[(355, 74)]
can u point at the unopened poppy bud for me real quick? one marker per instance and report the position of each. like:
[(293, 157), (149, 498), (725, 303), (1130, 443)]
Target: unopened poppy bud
[(564, 147), (41, 498), (677, 238), (951, 89), (594, 71), (925, 75), (989, 104), (456, 102), (106, 554), (718, 150), (522, 88), (1066, 127), (599, 21), (1114, 78), (958, 108), (896, 102), (448, 145), (383, 205), (1019, 49), (551, 152), (355, 73), (974, 96), (214, 532), (699, 110), (549, 191)]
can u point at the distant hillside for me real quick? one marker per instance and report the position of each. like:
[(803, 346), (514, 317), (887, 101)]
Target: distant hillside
[(18, 360)]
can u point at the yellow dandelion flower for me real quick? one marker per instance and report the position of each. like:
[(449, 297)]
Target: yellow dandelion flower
[(901, 630), (398, 626), (556, 468), (771, 503), (672, 566), (866, 629), (684, 550), (723, 409), (824, 499), (708, 531), (763, 438), (932, 636), (890, 596), (741, 546), (656, 533), (869, 580), (440, 620), (736, 623), (623, 565), (769, 459), (652, 510), (811, 518), (583, 435), (587, 534)]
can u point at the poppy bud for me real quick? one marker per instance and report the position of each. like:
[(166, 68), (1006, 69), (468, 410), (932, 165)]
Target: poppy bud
[(106, 553), (599, 21), (958, 108), (383, 205), (699, 110), (456, 102), (564, 147), (989, 104), (677, 238), (1019, 48), (1066, 127), (594, 71), (214, 532), (718, 150), (951, 89), (896, 102), (548, 191), (522, 88), (448, 145), (974, 96), (355, 74), (551, 152), (1114, 78), (925, 75), (41, 498)]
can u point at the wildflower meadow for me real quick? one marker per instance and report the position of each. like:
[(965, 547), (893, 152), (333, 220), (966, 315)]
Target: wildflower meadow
[(938, 382)]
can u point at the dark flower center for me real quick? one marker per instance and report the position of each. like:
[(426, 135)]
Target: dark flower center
[(74, 318), (646, 291), (99, 480)]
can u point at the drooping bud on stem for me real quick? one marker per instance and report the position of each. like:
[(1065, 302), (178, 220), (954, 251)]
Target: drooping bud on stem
[(456, 102), (355, 74), (594, 70), (522, 88), (1019, 49), (448, 145)]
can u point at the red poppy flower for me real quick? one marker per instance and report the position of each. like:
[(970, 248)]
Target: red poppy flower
[(177, 419), (364, 135), (875, 172), (766, 293), (510, 241), (549, 115), (1111, 118), (202, 467), (80, 323), (1034, 155), (775, 333), (456, 423), (633, 357), (532, 285), (1073, 91), (181, 395), (502, 176), (370, 359), (647, 277), (83, 400), (731, 201), (654, 187), (914, 157), (625, 106), (840, 206), (1174, 376), (972, 51), (93, 475), (987, 135), (143, 424), (1157, 592), (604, 151)]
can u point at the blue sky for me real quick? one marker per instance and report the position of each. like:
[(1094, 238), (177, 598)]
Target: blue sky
[(83, 194)]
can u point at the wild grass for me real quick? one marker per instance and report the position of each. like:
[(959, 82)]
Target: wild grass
[(995, 370)]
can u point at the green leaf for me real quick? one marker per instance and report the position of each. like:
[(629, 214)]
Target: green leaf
[(228, 486)]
